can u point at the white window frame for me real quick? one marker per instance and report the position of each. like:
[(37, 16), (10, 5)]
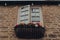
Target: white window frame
[(19, 14), (29, 15), (41, 16)]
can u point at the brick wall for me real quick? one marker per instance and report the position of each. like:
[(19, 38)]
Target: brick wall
[(8, 15), (8, 18), (51, 16)]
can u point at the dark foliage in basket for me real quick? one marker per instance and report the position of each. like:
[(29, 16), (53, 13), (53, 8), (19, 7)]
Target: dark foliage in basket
[(29, 31)]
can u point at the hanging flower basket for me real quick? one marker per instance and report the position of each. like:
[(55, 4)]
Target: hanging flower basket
[(29, 31)]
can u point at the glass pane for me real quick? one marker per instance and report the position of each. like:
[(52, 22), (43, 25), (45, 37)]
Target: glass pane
[(35, 10), (35, 15), (24, 17), (35, 19)]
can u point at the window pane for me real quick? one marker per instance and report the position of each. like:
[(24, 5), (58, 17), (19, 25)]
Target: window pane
[(35, 10), (35, 19), (23, 17), (35, 15)]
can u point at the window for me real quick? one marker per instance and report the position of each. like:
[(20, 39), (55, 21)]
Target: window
[(23, 14), (35, 14), (29, 13)]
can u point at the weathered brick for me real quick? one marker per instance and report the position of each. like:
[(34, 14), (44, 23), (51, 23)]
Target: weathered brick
[(8, 19), (52, 20), (4, 39), (55, 39), (52, 35), (3, 28), (8, 16), (3, 33), (3, 36), (47, 39)]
